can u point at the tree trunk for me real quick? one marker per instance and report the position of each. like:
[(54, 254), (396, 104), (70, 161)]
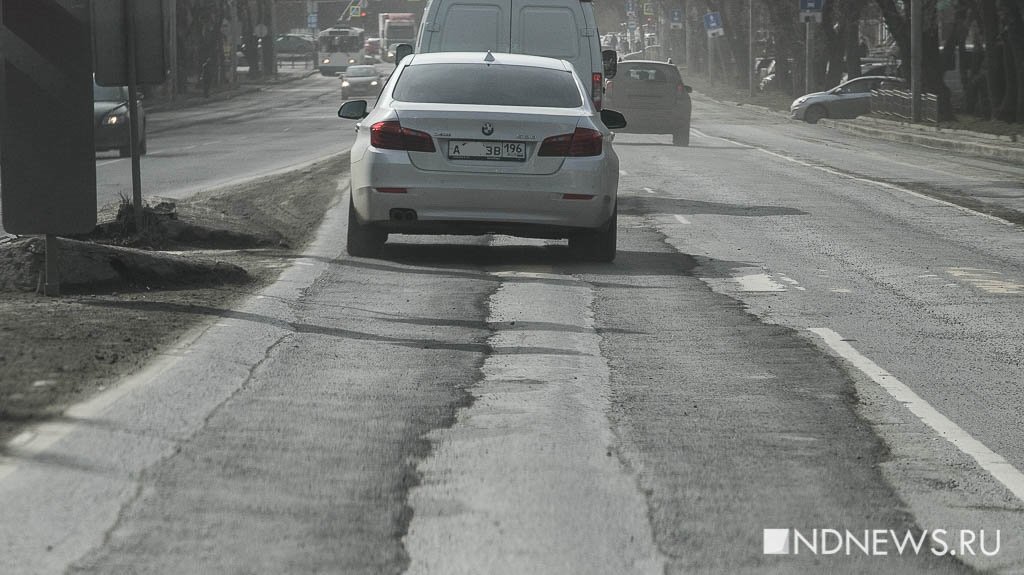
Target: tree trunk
[(1010, 13), (994, 77)]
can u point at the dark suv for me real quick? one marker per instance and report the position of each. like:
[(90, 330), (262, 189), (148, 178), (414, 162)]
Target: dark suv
[(652, 97)]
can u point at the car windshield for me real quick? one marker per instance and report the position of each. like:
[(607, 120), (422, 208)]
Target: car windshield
[(107, 93), (489, 85), (360, 72), (332, 43)]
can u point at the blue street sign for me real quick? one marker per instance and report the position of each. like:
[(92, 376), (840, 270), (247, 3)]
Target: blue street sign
[(676, 15), (812, 5), (712, 21)]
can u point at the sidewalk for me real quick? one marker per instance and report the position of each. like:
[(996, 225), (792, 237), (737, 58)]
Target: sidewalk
[(245, 86)]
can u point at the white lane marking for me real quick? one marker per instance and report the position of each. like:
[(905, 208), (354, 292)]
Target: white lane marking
[(682, 220), (842, 290), (986, 280), (648, 190), (623, 173), (989, 460), (104, 163), (864, 180), (792, 282), (758, 282)]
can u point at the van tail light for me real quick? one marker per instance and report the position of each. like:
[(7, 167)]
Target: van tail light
[(597, 89), (680, 90), (582, 142), (391, 135)]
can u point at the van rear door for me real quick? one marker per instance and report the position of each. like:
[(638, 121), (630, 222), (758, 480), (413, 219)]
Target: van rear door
[(553, 28), (474, 26)]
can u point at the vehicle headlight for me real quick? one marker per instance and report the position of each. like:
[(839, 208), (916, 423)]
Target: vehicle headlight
[(351, 60), (326, 61), (345, 84), (373, 83), (115, 119), (391, 54)]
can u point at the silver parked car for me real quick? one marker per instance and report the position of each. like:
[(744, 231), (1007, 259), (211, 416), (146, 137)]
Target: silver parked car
[(847, 100)]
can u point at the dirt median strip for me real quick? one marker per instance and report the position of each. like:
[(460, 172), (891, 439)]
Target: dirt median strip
[(55, 352)]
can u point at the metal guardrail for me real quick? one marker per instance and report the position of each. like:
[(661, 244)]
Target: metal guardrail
[(895, 104)]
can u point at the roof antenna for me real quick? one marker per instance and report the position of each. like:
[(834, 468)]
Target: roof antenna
[(489, 57)]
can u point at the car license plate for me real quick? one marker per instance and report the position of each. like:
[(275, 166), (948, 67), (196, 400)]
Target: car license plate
[(481, 150)]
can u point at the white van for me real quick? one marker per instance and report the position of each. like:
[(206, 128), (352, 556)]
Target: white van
[(564, 29)]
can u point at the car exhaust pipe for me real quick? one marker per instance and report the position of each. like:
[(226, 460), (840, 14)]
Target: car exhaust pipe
[(403, 214)]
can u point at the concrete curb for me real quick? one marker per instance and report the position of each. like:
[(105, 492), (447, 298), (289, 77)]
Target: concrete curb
[(994, 148)]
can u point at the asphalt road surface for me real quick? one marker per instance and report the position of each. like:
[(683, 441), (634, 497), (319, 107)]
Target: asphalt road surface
[(798, 333)]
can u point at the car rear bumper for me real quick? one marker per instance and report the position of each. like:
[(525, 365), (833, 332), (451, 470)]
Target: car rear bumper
[(653, 121), (479, 203)]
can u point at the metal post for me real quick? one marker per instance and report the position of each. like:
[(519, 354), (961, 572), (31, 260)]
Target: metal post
[(172, 47), (233, 6), (750, 49), (133, 114), (808, 68), (915, 60), (711, 59), (52, 286)]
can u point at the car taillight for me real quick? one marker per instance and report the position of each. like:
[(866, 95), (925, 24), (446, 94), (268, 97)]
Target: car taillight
[(582, 142), (391, 135), (597, 89), (680, 90)]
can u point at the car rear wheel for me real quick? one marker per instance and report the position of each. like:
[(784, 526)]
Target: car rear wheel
[(682, 137), (597, 246), (815, 113), (364, 240)]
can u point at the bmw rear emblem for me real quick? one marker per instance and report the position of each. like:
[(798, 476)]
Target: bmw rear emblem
[(488, 129)]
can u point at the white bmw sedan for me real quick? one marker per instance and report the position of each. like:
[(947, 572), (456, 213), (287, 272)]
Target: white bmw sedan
[(480, 143)]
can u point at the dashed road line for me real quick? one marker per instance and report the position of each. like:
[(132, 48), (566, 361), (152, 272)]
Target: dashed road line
[(986, 280), (648, 190), (682, 220), (990, 461)]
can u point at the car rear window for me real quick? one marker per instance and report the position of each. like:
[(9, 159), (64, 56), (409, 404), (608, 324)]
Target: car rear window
[(648, 73), (488, 85)]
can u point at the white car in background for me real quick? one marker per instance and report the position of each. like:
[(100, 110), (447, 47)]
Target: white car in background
[(478, 143)]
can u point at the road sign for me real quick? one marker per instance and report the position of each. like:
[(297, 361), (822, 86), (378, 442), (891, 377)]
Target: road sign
[(675, 17), (713, 24), (810, 10), (354, 11), (712, 20), (47, 153), (311, 21), (110, 51), (648, 9)]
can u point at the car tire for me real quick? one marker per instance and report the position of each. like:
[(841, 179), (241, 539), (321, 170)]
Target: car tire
[(815, 113), (682, 137), (363, 240), (598, 246)]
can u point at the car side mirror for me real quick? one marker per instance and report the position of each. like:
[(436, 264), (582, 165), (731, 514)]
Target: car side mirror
[(612, 119), (610, 59), (401, 51), (689, 89), (353, 110)]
